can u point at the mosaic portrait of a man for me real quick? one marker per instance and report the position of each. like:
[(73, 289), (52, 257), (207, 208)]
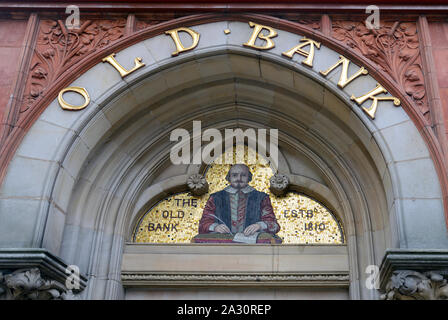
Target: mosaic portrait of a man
[(239, 209)]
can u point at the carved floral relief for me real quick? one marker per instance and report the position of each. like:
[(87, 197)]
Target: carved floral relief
[(28, 284), (394, 47), (313, 24), (58, 48), (142, 24)]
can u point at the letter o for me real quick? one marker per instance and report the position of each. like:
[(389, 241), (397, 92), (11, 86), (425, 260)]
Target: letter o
[(67, 106)]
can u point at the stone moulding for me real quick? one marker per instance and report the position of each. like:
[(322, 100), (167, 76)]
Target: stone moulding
[(338, 279), (35, 273), (28, 284)]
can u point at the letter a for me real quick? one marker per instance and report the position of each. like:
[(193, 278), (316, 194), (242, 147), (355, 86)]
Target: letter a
[(183, 145), (298, 49)]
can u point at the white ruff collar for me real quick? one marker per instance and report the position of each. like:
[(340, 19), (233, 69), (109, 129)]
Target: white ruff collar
[(246, 189)]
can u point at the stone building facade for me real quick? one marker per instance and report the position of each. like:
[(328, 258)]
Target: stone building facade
[(86, 114)]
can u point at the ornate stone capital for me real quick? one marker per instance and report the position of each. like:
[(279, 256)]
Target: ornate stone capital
[(414, 275), (36, 274), (197, 184), (412, 285), (28, 284)]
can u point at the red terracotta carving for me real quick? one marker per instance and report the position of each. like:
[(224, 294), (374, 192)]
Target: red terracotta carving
[(148, 20), (394, 48), (311, 23), (58, 48), (140, 25)]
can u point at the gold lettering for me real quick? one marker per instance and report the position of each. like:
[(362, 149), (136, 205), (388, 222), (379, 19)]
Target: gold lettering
[(179, 46), (298, 49), (67, 106), (371, 95), (123, 72), (257, 34), (343, 79)]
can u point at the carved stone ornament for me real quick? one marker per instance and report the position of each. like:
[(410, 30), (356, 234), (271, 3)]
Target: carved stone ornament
[(279, 184), (197, 184), (394, 47), (412, 285), (238, 277), (28, 284), (312, 23), (230, 279), (58, 48)]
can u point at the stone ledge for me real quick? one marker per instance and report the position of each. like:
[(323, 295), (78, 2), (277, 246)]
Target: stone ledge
[(210, 259), (51, 266), (420, 260)]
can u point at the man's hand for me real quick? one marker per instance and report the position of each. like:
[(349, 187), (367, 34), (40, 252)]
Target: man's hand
[(222, 228), (252, 229)]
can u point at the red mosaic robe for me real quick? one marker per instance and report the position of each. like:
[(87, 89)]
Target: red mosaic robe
[(238, 203)]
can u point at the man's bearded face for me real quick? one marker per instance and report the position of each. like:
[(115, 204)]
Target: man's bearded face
[(239, 177)]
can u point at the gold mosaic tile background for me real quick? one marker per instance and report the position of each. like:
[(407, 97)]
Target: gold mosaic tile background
[(302, 220)]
